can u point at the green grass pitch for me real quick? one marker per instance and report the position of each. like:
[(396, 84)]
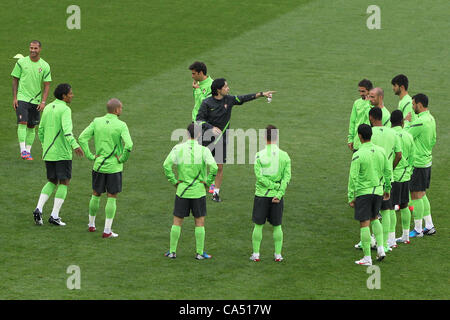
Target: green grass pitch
[(313, 53)]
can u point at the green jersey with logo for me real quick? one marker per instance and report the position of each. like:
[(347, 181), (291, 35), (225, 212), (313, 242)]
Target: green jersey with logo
[(370, 172), (31, 75), (403, 170), (423, 130), (200, 94), (405, 106), (192, 161), (55, 132), (359, 115), (387, 139), (273, 172), (113, 143)]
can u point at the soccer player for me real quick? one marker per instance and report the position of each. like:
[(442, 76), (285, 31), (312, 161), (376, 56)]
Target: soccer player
[(55, 134), (376, 96), (273, 173), (369, 183), (214, 115), (28, 100), (402, 175), (423, 130), (113, 146), (360, 114), (400, 88), (192, 161), (201, 85), (387, 139)]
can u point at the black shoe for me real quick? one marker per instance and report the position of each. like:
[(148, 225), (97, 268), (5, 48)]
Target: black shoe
[(56, 222), (216, 197), (38, 217)]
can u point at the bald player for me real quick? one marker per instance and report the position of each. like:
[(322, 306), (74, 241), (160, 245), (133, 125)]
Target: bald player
[(112, 149), (376, 96)]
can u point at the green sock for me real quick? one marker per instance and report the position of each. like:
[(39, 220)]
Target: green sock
[(48, 188), (377, 229), (278, 238), (257, 237), (426, 206), (418, 209), (30, 135), (200, 239), (22, 132), (386, 223), (393, 218), (406, 218), (174, 236), (110, 208), (365, 240), (94, 205), (61, 192)]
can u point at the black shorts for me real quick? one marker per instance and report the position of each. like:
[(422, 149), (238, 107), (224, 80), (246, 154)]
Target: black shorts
[(59, 170), (184, 206), (106, 182), (387, 204), (367, 207), (264, 209), (28, 112), (400, 193), (420, 179), (218, 149)]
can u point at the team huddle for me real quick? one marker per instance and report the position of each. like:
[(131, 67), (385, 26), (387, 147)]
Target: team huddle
[(198, 161), (390, 169)]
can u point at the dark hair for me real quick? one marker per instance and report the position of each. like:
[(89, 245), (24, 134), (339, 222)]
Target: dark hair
[(271, 133), (36, 41), (401, 80), (396, 118), (365, 83), (216, 85), (194, 128), (422, 98), (62, 89), (198, 66), (365, 131), (376, 113)]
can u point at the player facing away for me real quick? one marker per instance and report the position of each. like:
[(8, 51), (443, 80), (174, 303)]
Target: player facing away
[(113, 146), (192, 162), (28, 100), (386, 138), (423, 130), (55, 134), (369, 183), (402, 175), (360, 114), (214, 115), (201, 85), (273, 173), (400, 88), (376, 96)]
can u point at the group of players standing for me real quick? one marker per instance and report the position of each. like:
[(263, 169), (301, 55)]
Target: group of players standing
[(210, 120), (390, 169)]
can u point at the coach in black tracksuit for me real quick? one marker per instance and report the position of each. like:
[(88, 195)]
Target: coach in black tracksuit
[(214, 115)]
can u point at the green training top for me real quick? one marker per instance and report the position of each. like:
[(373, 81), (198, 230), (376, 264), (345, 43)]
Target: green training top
[(273, 172), (55, 132), (192, 161), (370, 172), (403, 170), (386, 117), (359, 115), (110, 135), (405, 106), (31, 75), (387, 139), (200, 94), (423, 130)]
